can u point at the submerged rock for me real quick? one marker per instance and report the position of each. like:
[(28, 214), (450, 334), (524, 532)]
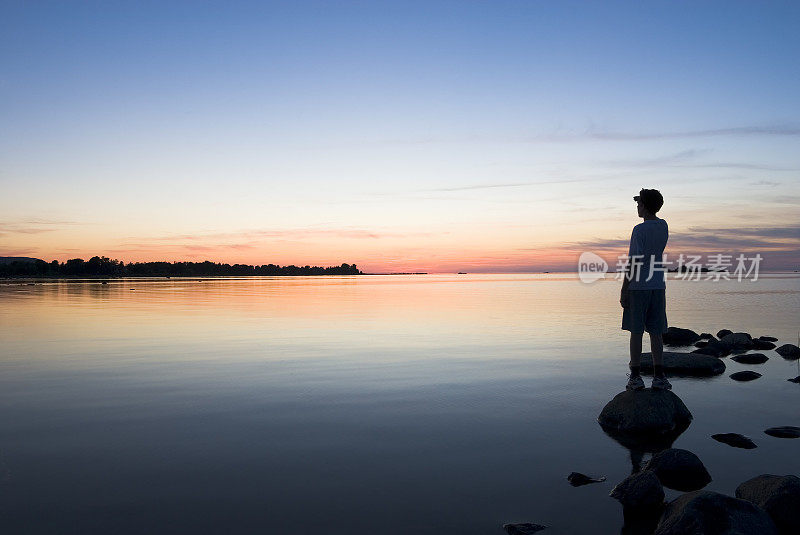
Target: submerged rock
[(675, 336), (710, 513), (784, 431), (679, 469), (746, 375), (795, 380), (789, 351), (779, 496), (723, 332), (645, 413), (523, 529), (751, 358), (685, 364), (642, 489), (735, 439), (576, 479)]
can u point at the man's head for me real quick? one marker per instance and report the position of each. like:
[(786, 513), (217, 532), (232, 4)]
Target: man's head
[(649, 200)]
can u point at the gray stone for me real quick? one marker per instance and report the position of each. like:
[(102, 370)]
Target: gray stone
[(779, 496), (751, 358), (783, 431), (685, 364), (789, 351), (679, 469), (746, 375), (735, 439), (642, 489), (675, 336), (710, 513), (645, 412)]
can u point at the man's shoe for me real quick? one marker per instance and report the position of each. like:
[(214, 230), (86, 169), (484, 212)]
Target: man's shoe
[(661, 383), (635, 383)]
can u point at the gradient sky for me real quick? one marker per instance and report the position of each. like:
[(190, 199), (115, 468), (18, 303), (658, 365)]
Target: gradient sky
[(400, 136)]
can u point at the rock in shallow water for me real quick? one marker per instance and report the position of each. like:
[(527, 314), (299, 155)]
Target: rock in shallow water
[(768, 338), (685, 364), (789, 351), (737, 341), (645, 412), (679, 469), (746, 375), (784, 431), (723, 332), (576, 479), (779, 496), (735, 439), (795, 380), (762, 344), (523, 529), (642, 489), (710, 513), (713, 348), (751, 358), (675, 336)]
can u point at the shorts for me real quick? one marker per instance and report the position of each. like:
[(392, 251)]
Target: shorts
[(646, 311)]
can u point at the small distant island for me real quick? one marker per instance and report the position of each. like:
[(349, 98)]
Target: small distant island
[(101, 266)]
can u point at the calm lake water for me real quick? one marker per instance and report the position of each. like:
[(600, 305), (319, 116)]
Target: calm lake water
[(346, 405)]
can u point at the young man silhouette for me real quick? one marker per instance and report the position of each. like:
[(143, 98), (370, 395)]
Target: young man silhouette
[(642, 296)]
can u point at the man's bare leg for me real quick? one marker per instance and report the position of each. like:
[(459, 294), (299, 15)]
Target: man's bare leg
[(635, 382), (636, 350), (657, 347)]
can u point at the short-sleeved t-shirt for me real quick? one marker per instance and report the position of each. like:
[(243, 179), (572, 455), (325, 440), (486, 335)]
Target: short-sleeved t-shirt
[(648, 240)]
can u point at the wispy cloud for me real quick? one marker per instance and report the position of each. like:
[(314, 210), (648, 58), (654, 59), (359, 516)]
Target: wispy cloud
[(32, 226), (766, 130)]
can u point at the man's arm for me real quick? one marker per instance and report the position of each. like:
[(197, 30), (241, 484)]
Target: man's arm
[(633, 249)]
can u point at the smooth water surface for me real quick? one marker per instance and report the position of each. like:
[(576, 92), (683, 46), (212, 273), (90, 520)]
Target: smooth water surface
[(343, 405)]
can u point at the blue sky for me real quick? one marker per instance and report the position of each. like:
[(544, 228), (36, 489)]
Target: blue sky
[(399, 135)]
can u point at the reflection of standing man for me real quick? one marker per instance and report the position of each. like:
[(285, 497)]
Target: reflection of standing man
[(642, 297)]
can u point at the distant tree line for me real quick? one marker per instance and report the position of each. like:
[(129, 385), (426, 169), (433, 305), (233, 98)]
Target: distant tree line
[(100, 266)]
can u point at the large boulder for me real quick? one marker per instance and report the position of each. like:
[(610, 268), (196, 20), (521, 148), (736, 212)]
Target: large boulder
[(779, 496), (679, 469), (642, 489), (675, 336), (710, 513), (645, 413), (685, 364), (723, 332), (737, 341), (789, 351)]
